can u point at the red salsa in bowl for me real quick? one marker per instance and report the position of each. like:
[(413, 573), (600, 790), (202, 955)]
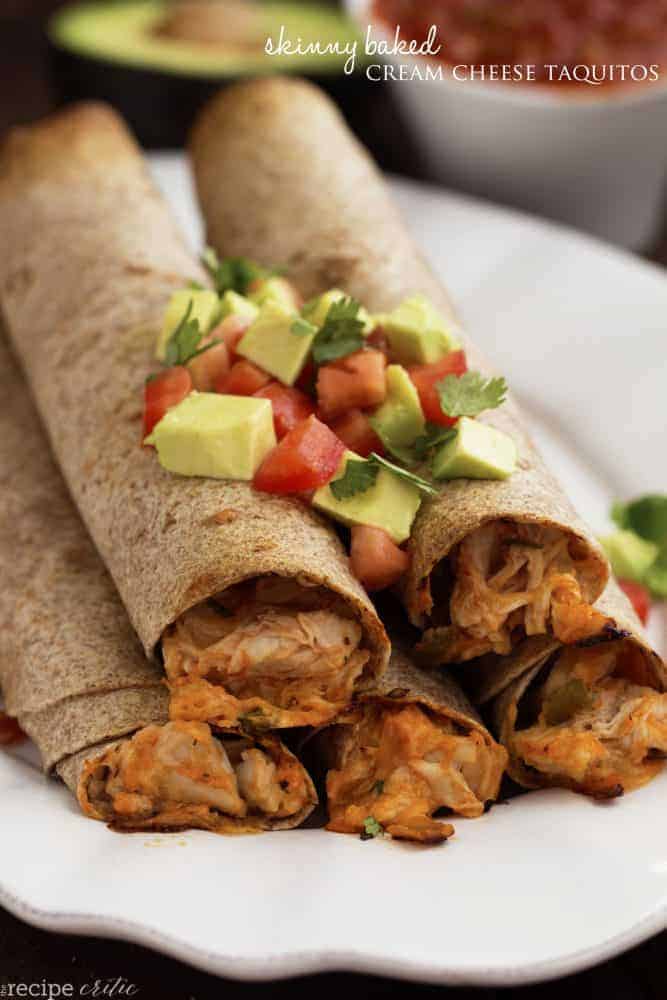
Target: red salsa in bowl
[(579, 43)]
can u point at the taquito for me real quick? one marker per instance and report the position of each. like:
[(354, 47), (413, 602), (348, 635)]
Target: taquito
[(74, 675), (281, 179), (91, 256), (411, 748), (591, 716)]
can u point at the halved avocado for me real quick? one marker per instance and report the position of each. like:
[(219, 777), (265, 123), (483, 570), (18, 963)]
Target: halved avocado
[(158, 61)]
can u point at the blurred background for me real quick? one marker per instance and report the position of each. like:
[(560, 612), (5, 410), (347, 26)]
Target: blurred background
[(593, 156)]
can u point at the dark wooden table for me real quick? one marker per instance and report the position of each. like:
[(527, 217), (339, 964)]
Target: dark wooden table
[(28, 955)]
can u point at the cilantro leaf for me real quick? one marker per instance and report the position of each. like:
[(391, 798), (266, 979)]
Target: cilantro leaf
[(409, 477), (341, 333), (184, 341), (434, 435), (469, 394), (302, 328), (233, 273), (360, 475), (646, 516), (371, 828)]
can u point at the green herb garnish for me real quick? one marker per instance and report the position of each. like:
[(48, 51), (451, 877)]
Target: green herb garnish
[(360, 474), (234, 274), (378, 787), (647, 517), (434, 435), (302, 328), (371, 828), (409, 477), (469, 394), (341, 333), (183, 344)]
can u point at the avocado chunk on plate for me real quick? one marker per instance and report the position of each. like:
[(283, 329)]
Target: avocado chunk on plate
[(271, 343), (400, 419), (477, 451), (630, 556), (390, 503), (417, 333), (210, 434), (233, 304)]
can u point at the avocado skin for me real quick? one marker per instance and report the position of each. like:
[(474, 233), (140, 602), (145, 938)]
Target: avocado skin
[(160, 108)]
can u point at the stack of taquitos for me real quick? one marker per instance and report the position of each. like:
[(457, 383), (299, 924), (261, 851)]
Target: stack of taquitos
[(211, 567), (491, 561), (498, 569), (73, 673)]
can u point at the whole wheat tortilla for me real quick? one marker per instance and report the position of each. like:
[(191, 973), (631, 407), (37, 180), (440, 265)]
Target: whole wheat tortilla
[(502, 682), (90, 256), (280, 178), (71, 668)]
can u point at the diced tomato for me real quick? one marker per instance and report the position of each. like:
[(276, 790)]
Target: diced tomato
[(425, 379), (243, 379), (306, 379), (164, 391), (10, 731), (639, 597), (377, 561), (230, 331), (290, 406), (355, 431), (306, 458), (208, 368), (357, 380)]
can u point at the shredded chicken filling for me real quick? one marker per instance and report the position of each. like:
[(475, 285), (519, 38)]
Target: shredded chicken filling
[(179, 771), (270, 654), (512, 580), (401, 764), (615, 726)]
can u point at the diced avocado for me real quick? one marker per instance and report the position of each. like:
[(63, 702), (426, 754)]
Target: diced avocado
[(275, 290), (210, 434), (233, 304), (417, 333), (478, 451), (318, 308), (270, 343), (390, 503), (205, 308), (630, 556), (400, 419)]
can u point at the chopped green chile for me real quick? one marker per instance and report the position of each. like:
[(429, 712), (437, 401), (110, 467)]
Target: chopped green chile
[(563, 703)]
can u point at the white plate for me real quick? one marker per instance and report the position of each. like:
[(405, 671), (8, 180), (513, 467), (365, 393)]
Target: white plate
[(544, 886)]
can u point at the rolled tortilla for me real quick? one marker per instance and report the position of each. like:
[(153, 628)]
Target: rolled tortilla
[(591, 717), (94, 259), (281, 179), (411, 748), (74, 675)]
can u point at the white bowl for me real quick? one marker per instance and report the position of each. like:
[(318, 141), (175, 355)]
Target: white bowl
[(597, 162)]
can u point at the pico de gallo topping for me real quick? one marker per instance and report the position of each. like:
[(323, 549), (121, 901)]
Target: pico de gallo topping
[(637, 550), (564, 42), (358, 414)]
